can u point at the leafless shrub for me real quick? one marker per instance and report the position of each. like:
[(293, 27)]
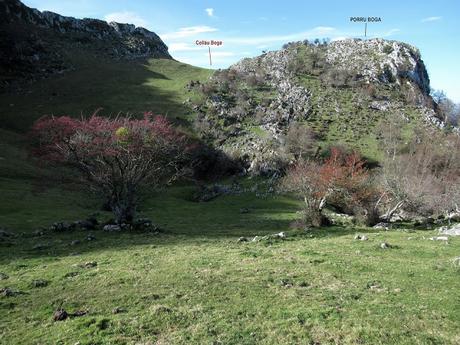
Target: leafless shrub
[(422, 175), (301, 141)]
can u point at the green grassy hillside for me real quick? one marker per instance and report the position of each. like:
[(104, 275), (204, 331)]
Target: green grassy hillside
[(157, 85)]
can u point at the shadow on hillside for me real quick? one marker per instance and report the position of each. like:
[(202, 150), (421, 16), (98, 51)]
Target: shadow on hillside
[(116, 86), (183, 221), (188, 224)]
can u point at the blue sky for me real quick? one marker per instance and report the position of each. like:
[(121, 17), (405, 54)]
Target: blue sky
[(249, 27)]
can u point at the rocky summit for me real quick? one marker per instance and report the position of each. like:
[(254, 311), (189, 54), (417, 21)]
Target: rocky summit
[(379, 60), (36, 44)]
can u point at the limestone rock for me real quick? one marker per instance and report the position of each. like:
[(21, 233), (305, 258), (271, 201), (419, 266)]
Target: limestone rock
[(361, 237), (111, 227), (39, 49), (385, 245), (453, 230)]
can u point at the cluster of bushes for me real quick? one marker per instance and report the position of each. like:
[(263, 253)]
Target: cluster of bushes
[(309, 60), (423, 172), (419, 174), (230, 81), (308, 43), (340, 78)]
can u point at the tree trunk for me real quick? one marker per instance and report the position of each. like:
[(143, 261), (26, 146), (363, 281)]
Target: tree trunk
[(124, 211), (390, 212)]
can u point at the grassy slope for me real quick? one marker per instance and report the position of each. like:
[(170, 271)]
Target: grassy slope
[(196, 284), (216, 290), (352, 125), (130, 87)]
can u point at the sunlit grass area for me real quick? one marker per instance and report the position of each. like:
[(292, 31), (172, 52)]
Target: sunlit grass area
[(195, 283)]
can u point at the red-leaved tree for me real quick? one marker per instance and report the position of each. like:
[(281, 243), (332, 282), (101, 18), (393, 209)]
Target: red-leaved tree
[(341, 180), (116, 156)]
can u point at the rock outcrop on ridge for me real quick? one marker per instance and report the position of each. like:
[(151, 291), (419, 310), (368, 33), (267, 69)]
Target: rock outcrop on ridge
[(36, 44)]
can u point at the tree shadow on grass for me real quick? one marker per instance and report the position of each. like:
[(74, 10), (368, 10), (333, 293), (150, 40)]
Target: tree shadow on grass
[(183, 222), (188, 222)]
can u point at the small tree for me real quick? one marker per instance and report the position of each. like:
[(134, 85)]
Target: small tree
[(341, 180), (116, 157), (351, 186), (301, 141), (304, 181)]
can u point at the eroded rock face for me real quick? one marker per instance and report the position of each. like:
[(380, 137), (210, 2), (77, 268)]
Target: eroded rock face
[(291, 103)]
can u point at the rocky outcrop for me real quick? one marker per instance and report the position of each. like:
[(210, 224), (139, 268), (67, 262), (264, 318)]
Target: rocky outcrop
[(285, 103), (379, 60), (36, 44), (348, 85)]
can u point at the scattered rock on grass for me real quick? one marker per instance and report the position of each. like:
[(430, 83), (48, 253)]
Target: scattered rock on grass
[(111, 228), (384, 226), (281, 235), (244, 210), (456, 261), (39, 233), (90, 237), (286, 283), (79, 313), (385, 245), (62, 227), (375, 286), (75, 242), (8, 292), (88, 264), (242, 239), (440, 238), (145, 224), (361, 237), (37, 283), (4, 276), (60, 315), (453, 230), (118, 310)]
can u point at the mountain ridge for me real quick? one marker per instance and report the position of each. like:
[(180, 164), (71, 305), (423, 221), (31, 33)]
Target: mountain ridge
[(38, 44)]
